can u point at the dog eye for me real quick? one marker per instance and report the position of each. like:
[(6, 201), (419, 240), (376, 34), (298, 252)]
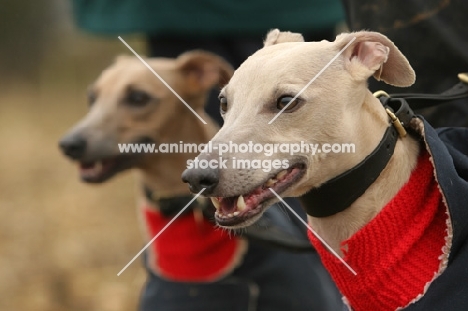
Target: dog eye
[(91, 97), (284, 101), (137, 98), (223, 104)]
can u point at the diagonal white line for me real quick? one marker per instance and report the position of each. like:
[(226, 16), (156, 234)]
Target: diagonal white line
[(160, 232), (159, 77), (314, 233), (313, 79)]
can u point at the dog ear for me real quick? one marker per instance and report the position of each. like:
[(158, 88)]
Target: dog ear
[(204, 70), (372, 53), (276, 36)]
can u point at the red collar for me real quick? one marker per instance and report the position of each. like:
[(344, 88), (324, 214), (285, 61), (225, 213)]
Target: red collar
[(399, 252), (190, 250)]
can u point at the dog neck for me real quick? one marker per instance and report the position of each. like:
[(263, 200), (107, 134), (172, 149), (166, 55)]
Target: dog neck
[(341, 226), (164, 181), (161, 172)]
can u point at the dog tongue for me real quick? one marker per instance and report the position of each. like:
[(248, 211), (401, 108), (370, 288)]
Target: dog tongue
[(228, 205), (234, 206), (92, 169)]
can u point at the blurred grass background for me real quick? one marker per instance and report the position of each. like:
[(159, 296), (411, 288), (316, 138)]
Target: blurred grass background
[(62, 242)]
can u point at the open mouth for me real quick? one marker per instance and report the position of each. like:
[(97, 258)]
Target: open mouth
[(242, 210), (103, 169)]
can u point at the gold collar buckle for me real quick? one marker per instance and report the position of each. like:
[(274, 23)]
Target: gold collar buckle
[(396, 123)]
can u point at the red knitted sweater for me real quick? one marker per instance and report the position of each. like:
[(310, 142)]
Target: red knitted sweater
[(190, 251), (397, 254)]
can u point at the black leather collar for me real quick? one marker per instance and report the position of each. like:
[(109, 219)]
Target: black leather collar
[(172, 205), (340, 192)]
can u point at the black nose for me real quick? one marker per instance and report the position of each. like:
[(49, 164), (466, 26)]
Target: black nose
[(73, 146), (198, 179)]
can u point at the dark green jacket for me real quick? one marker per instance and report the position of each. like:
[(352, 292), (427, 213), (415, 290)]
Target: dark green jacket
[(205, 17)]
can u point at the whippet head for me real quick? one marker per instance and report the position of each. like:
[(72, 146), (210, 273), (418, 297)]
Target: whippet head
[(335, 107), (129, 104)]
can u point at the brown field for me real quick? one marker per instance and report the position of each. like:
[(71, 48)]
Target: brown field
[(62, 242)]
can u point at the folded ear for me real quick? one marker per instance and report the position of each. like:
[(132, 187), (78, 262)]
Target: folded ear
[(276, 36), (204, 70), (372, 53)]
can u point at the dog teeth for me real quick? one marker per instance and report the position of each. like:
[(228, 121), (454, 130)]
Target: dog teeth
[(241, 203), (281, 174), (271, 182), (215, 202), (240, 207), (219, 215)]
